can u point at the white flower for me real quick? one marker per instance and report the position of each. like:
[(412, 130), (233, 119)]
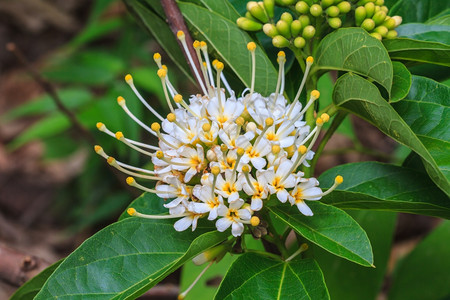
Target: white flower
[(280, 180), (211, 203), (187, 221), (233, 216), (305, 191)]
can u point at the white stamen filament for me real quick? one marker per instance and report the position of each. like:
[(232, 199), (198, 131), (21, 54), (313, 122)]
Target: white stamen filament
[(183, 294), (123, 140), (140, 215), (302, 84), (302, 248), (208, 64), (132, 116), (160, 136), (281, 61), (114, 163), (252, 86), (123, 165), (136, 92), (225, 82), (163, 81)]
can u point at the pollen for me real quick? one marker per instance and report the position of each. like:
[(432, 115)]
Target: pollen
[(196, 44), (339, 179), (171, 117), (119, 135), (178, 98), (315, 94), (129, 78), (302, 149), (245, 168), (269, 122), (251, 46), (111, 160), (100, 126), (319, 122), (131, 211), (254, 221), (156, 127), (162, 73), (310, 59), (203, 45), (281, 54), (240, 151), (276, 149), (157, 57), (215, 170), (214, 63), (325, 117), (219, 65), (159, 154), (130, 180), (206, 127), (180, 34), (120, 100), (98, 148)]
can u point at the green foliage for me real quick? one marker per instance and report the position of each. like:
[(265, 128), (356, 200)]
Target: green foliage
[(424, 32), (418, 10), (401, 82)]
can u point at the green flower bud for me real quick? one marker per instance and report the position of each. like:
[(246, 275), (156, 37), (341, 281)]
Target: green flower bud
[(398, 20), (270, 30), (280, 41), (368, 24), (333, 11), (392, 34), (326, 3), (379, 17), (335, 23), (287, 17), (299, 42), (389, 23), (360, 15), (337, 1), (249, 16), (257, 11), (344, 7), (382, 30), (377, 9), (302, 7), (363, 2), (284, 29), (269, 6), (379, 2), (248, 24), (309, 32), (215, 253), (296, 27), (376, 35), (370, 9), (315, 10), (304, 19), (385, 9), (285, 2)]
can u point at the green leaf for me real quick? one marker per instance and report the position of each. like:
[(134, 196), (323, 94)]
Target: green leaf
[(353, 49), (222, 7), (424, 273), (378, 186), (331, 228), (355, 94), (348, 281), (418, 10), (30, 288), (253, 276), (401, 82), (440, 20), (424, 32), (418, 51), (232, 49), (127, 258)]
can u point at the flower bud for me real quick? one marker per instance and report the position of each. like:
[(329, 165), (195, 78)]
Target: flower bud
[(385, 9), (344, 7), (249, 16), (211, 155), (360, 15), (398, 20), (270, 30), (389, 23), (392, 34), (285, 2), (382, 30), (379, 2), (299, 42), (376, 35), (257, 11), (215, 253), (368, 24), (315, 10), (248, 24), (309, 32), (302, 7), (284, 29), (377, 8), (335, 23), (280, 41), (296, 28), (363, 2), (333, 11), (269, 6), (379, 17), (370, 9), (326, 3), (304, 19), (287, 17)]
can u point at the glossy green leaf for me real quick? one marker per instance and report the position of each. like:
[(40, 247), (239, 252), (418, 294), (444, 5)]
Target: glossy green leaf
[(379, 186), (30, 288), (127, 258), (424, 273), (424, 32), (232, 50), (223, 8), (253, 276), (348, 281), (401, 82), (353, 49), (331, 228), (440, 19), (418, 10), (357, 95), (418, 51)]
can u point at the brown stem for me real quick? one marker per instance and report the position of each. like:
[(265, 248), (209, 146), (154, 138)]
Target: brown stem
[(176, 22)]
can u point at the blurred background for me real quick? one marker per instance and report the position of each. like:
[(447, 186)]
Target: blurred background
[(54, 190)]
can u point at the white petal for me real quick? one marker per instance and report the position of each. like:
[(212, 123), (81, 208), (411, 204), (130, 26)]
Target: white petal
[(257, 204), (183, 223), (222, 224), (304, 209), (258, 162), (282, 195), (237, 229)]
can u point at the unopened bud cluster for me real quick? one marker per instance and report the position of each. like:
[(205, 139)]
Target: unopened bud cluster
[(315, 18)]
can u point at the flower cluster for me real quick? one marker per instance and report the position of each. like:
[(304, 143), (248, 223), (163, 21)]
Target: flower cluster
[(221, 156)]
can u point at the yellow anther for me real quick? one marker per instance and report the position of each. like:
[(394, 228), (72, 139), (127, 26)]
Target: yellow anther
[(196, 44), (119, 135), (120, 100), (219, 65), (214, 63), (131, 211), (302, 149), (240, 151), (171, 117), (315, 94), (276, 149), (319, 122), (178, 98), (254, 221), (155, 127), (339, 179), (240, 121), (180, 34), (251, 46), (159, 154), (98, 148), (281, 54), (156, 57), (325, 117), (223, 147), (245, 168), (129, 78), (269, 122), (111, 160), (215, 170), (164, 67), (204, 64), (206, 127), (310, 59), (203, 44), (162, 73), (100, 126), (130, 180)]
